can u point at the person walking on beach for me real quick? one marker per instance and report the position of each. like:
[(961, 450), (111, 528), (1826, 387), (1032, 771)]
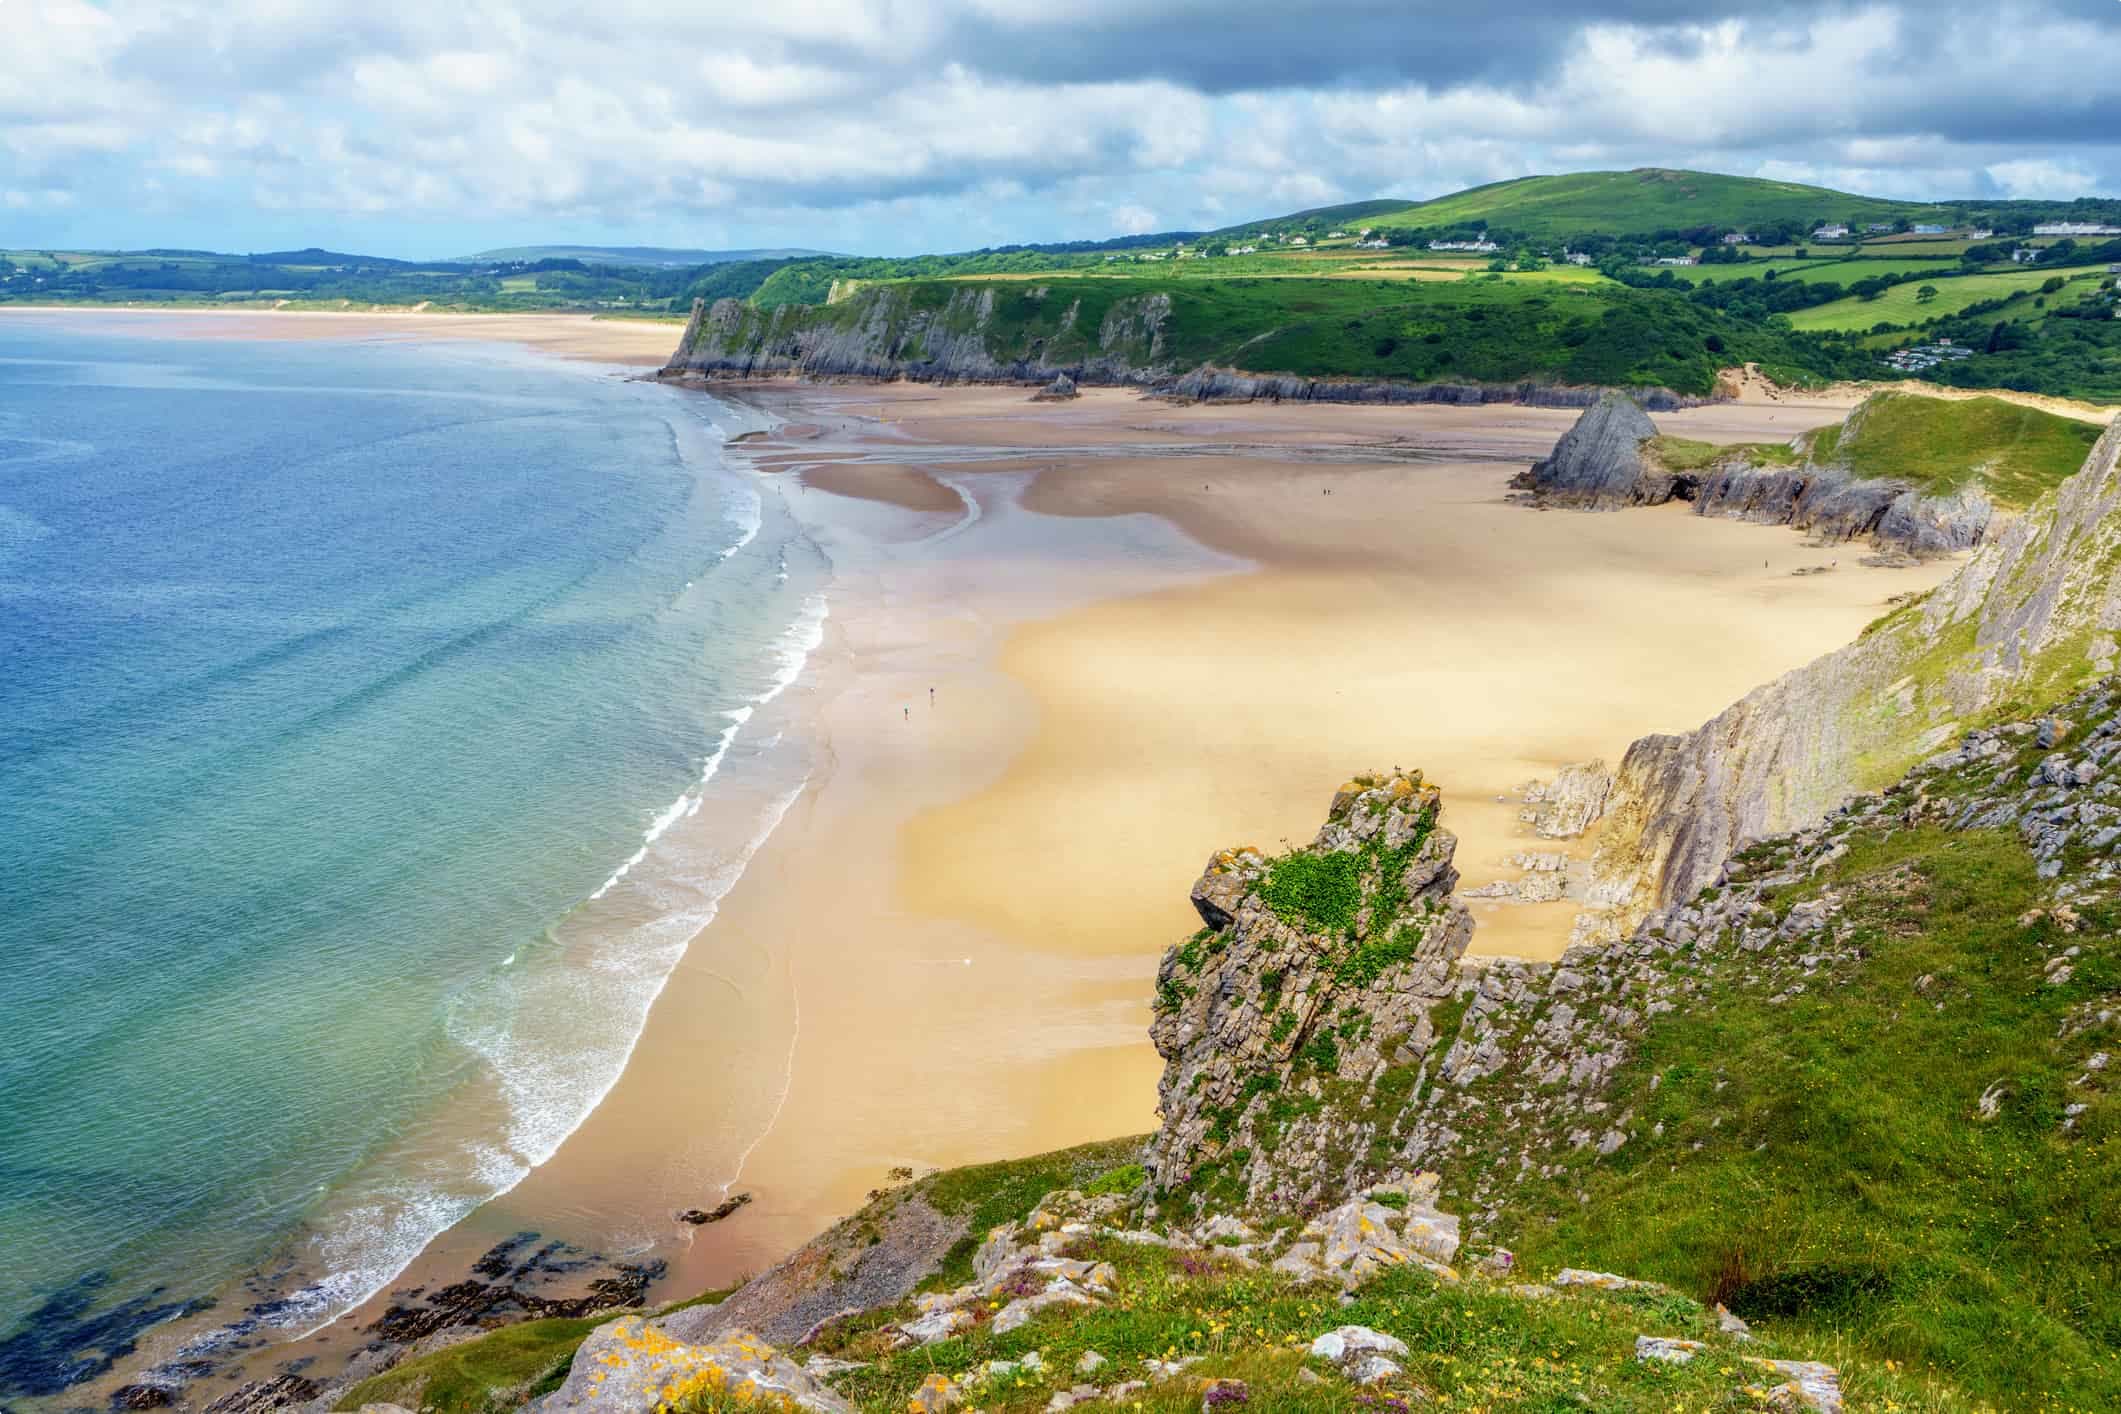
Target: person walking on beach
[(931, 697), (908, 711)]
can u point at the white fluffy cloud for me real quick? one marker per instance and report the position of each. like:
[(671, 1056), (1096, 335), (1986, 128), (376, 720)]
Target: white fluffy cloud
[(902, 124)]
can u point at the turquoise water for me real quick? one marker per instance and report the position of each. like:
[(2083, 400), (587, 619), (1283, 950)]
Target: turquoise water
[(339, 683)]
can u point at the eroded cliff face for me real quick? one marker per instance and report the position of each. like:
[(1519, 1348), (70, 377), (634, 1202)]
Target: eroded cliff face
[(1026, 334), (2027, 619), (895, 331)]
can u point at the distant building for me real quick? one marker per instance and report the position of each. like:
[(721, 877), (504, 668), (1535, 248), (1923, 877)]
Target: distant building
[(1480, 247), (1831, 233), (1335, 235), (1299, 240), (1373, 245), (1576, 257), (2113, 269), (1980, 235), (1737, 238), (1879, 226), (2025, 255), (2076, 228), (1677, 260), (1929, 230)]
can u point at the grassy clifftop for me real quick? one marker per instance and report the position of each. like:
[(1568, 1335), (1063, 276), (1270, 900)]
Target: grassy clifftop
[(1485, 331)]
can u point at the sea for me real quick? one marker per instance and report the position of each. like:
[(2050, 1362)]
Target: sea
[(346, 690)]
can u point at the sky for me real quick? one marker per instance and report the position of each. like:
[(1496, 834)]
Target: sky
[(900, 126)]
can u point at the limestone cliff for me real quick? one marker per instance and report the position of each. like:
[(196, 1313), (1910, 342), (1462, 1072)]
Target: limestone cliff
[(1306, 1001), (1026, 333), (2027, 618)]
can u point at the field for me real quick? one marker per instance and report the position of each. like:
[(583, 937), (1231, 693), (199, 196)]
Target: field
[(1630, 203), (1899, 305), (1841, 272)]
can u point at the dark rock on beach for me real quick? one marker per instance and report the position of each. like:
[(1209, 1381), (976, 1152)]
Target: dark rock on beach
[(728, 1207), (1598, 464)]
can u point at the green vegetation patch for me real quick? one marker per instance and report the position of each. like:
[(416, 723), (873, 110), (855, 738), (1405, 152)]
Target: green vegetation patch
[(1811, 1149), (2017, 453), (1470, 1346), (498, 1371), (1685, 454), (1645, 200)]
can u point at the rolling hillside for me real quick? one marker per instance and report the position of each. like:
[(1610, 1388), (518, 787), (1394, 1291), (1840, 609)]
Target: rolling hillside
[(1644, 200)]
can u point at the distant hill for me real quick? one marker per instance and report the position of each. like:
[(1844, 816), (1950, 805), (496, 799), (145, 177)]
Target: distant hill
[(633, 255), (1648, 199)]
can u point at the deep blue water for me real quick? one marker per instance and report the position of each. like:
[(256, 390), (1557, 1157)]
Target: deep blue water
[(334, 679)]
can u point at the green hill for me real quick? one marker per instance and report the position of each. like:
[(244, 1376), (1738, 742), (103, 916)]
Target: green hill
[(1645, 200), (655, 255)]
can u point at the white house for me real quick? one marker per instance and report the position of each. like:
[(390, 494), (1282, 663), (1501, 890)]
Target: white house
[(2076, 228), (1736, 238), (1831, 233), (1929, 230), (1576, 257), (1677, 260), (1481, 247), (1980, 235), (2025, 255)]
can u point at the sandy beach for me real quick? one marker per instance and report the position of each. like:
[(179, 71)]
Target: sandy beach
[(1151, 631), (635, 343), (1070, 650)]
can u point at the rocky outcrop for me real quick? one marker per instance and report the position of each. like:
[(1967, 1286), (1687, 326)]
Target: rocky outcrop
[(1062, 389), (1224, 385), (1829, 504), (870, 1260), (1611, 460), (1598, 464), (1293, 1024), (2036, 611), (636, 1364)]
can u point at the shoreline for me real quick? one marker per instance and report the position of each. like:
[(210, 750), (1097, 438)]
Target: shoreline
[(586, 338), (957, 861)]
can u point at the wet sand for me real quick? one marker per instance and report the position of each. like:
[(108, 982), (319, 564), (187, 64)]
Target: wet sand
[(1152, 631)]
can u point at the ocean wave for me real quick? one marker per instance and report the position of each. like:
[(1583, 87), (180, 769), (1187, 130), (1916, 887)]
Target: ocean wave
[(549, 1088)]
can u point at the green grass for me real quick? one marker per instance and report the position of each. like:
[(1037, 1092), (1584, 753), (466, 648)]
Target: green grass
[(1941, 445), (1641, 201), (495, 1372), (1684, 454), (1472, 1346), (1817, 1163), (987, 1195), (1899, 305)]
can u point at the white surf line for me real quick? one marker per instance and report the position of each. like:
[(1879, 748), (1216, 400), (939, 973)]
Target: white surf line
[(795, 1037)]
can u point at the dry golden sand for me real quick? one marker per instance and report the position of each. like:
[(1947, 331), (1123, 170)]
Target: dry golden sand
[(966, 907), (1143, 649), (639, 343)]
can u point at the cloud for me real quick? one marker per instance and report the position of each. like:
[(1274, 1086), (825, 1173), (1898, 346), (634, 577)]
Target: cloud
[(906, 124)]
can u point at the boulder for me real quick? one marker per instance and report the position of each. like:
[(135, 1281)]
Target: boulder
[(1598, 464), (633, 1365), (1059, 390)]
